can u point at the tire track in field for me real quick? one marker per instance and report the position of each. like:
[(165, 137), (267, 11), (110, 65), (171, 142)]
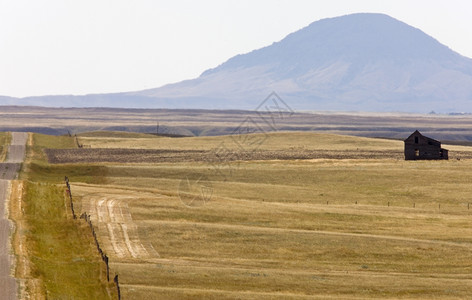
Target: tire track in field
[(309, 231), (120, 233)]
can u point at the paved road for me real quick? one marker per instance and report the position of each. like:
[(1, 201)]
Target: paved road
[(9, 171)]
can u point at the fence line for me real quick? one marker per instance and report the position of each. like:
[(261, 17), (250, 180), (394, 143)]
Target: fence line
[(448, 207), (79, 145), (66, 179), (87, 219)]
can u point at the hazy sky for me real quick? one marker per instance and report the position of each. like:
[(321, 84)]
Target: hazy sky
[(84, 46)]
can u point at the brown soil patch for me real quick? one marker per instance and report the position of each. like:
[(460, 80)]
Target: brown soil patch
[(58, 156), (118, 155)]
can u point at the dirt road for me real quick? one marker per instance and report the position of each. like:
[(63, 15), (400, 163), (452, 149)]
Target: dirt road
[(8, 171)]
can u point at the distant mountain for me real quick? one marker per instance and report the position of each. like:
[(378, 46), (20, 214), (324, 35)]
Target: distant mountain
[(361, 62)]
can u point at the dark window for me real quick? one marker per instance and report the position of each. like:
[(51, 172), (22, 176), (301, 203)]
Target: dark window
[(416, 140)]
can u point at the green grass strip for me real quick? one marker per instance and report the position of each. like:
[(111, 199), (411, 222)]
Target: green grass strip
[(63, 254)]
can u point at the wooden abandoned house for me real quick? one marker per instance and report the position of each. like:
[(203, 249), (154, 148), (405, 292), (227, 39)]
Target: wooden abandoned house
[(418, 146)]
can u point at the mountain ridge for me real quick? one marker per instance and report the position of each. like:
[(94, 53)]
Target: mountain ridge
[(360, 62), (354, 62), (297, 38)]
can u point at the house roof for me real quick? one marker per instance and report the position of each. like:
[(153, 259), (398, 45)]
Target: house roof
[(419, 133)]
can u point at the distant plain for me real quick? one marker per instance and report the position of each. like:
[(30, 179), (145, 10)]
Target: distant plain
[(58, 121)]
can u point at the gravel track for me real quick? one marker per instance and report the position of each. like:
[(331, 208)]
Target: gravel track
[(9, 171)]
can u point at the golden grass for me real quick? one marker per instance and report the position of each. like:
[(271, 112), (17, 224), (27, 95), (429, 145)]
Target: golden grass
[(292, 229), (233, 248), (4, 142), (269, 141), (42, 141), (375, 182), (64, 262), (61, 249)]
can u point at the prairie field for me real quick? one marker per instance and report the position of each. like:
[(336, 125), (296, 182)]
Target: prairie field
[(329, 227), (351, 221)]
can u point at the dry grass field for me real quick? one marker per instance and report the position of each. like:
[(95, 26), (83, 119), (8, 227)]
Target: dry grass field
[(55, 257), (351, 226), (4, 141), (264, 216)]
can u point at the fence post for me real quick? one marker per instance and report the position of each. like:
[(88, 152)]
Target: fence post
[(105, 258), (79, 145), (117, 286), (88, 219), (69, 191)]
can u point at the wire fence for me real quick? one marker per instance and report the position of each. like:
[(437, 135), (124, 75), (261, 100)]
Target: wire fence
[(86, 218)]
